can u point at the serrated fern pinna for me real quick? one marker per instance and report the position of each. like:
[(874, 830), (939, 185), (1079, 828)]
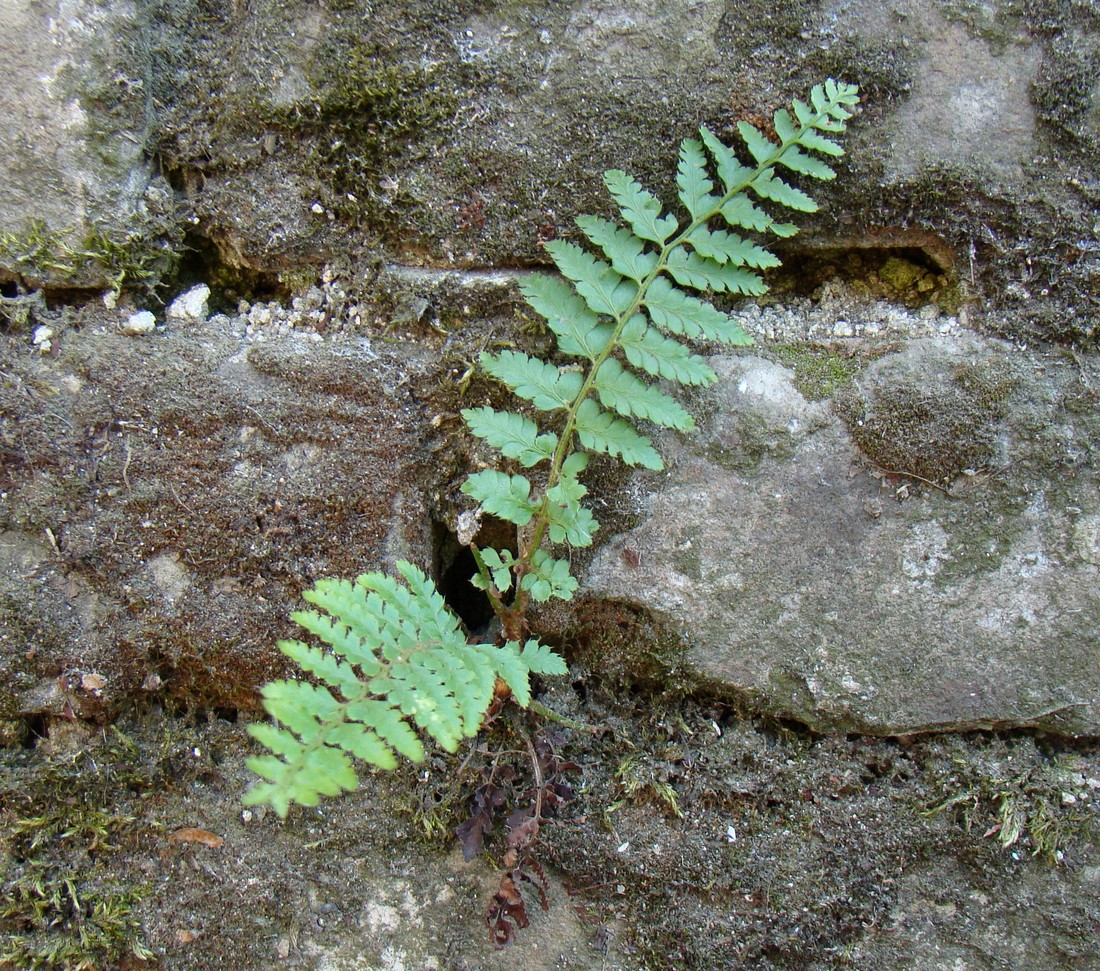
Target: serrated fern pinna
[(626, 318), (393, 658)]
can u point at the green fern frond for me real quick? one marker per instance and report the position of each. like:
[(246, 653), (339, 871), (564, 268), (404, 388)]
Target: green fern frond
[(691, 176), (627, 253), (392, 664), (604, 290), (647, 349), (579, 331), (394, 661), (625, 316), (600, 431), (640, 208), (623, 391), (548, 578), (681, 314)]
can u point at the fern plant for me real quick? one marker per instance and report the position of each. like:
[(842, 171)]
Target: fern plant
[(635, 306), (392, 657)]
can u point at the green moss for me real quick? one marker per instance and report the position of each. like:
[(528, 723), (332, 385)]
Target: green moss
[(884, 71), (362, 115), (931, 431), (1035, 809), (67, 258), (58, 921), (60, 912), (818, 372), (1064, 91), (28, 619), (644, 779), (624, 646), (989, 387), (748, 439), (1000, 25)]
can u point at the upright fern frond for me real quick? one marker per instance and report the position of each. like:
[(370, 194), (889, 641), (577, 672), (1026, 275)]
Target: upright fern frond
[(392, 659), (626, 316)]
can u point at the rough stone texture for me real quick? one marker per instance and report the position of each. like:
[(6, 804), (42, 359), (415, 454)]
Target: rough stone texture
[(466, 135), (82, 205), (886, 525), (931, 565), (165, 498)]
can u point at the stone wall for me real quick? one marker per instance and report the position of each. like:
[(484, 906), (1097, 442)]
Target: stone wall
[(459, 135)]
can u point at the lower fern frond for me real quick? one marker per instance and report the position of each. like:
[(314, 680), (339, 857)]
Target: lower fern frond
[(394, 660)]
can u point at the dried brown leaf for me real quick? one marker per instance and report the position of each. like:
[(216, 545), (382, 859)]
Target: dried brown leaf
[(191, 835)]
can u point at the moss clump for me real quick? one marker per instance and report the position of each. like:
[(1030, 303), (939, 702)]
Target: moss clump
[(363, 115), (747, 439), (818, 372), (65, 258), (63, 908), (1064, 92), (905, 278), (1044, 809), (623, 645), (933, 430), (55, 920)]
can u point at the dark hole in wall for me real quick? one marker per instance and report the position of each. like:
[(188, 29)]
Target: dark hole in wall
[(58, 297), (907, 274), (31, 293), (36, 728), (454, 566), (202, 262)]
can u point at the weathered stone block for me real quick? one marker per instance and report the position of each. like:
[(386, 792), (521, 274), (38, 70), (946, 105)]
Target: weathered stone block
[(893, 589), (82, 205)]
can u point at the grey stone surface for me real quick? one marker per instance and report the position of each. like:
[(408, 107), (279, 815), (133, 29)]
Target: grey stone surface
[(76, 130), (931, 565)]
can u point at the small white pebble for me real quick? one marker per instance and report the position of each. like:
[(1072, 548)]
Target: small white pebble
[(190, 307), (142, 322)]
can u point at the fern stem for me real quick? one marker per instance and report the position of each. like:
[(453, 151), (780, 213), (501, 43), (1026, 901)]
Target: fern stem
[(550, 715), (491, 591), (564, 449)]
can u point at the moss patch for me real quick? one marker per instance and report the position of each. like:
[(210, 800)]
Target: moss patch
[(137, 261), (931, 431), (66, 904), (818, 372)]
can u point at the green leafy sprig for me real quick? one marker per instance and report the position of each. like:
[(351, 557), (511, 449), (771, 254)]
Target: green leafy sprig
[(394, 659), (626, 316)]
